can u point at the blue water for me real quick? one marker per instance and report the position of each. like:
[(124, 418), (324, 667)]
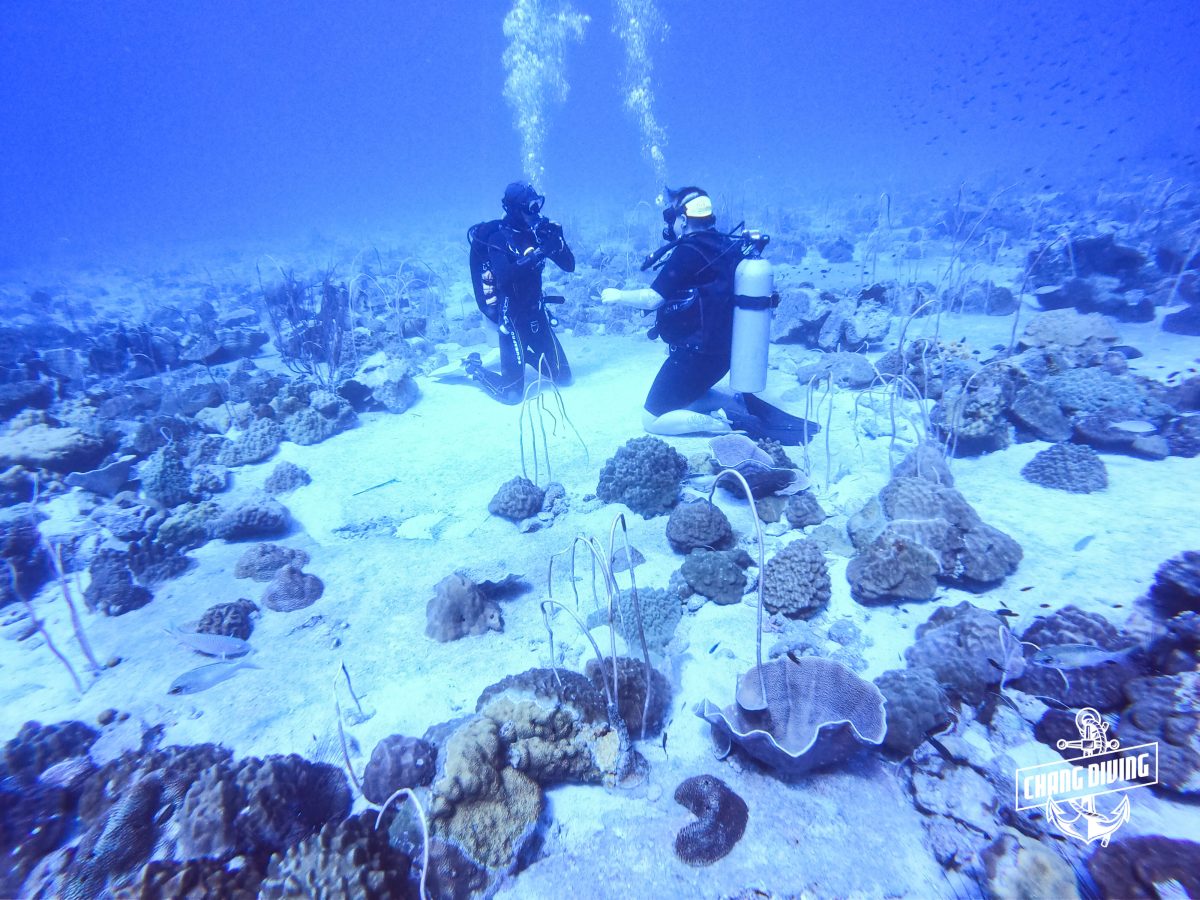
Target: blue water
[(147, 121), (173, 170)]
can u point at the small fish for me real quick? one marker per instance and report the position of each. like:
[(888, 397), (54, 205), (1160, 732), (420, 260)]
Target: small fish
[(1028, 587), (939, 747), (1006, 701), (201, 679), (221, 645), (1083, 542), (376, 487), (1134, 426), (620, 561), (1053, 703), (940, 728), (1077, 656), (714, 646), (1006, 612)]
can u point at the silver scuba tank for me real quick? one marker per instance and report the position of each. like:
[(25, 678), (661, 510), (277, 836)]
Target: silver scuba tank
[(754, 298)]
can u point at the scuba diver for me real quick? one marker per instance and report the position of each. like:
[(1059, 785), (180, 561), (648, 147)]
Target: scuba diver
[(712, 298), (507, 258)]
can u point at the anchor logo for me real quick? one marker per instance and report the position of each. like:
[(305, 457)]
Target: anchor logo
[(1067, 789), (1078, 817)]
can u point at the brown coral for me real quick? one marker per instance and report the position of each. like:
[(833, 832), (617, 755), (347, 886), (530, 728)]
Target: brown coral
[(698, 523), (796, 580), (458, 608), (234, 619), (345, 859), (487, 807), (262, 561), (292, 589), (518, 498)]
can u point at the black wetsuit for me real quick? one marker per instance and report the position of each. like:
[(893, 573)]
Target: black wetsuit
[(507, 258), (697, 320)]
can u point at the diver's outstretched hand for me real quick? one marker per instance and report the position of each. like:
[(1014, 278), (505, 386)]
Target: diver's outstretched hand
[(638, 298)]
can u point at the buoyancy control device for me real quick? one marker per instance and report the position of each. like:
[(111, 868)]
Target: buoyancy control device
[(753, 303), (754, 300)]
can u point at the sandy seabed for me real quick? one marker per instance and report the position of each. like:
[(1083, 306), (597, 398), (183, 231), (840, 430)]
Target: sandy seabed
[(400, 502)]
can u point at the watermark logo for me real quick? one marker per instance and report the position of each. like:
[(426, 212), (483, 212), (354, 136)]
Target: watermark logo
[(1068, 789)]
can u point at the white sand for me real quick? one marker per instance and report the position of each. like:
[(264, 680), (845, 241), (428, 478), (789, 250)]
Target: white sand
[(840, 832)]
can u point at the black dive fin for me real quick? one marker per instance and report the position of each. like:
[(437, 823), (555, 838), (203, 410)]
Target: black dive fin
[(759, 419)]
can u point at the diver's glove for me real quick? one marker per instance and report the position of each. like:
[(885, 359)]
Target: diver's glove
[(549, 237), (531, 257)]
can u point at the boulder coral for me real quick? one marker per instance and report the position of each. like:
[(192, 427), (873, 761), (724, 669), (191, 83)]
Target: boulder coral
[(517, 499), (963, 647), (459, 607), (165, 477), (398, 762), (913, 518), (719, 575), (796, 580), (698, 523), (553, 726), (112, 590), (1075, 468), (262, 561), (1100, 686), (286, 477), (350, 858), (480, 802), (1176, 585), (258, 442), (1165, 710), (234, 619), (257, 517), (892, 569), (535, 729), (291, 589), (916, 707), (644, 474)]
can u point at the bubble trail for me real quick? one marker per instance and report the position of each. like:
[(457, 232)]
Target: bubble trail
[(538, 32), (639, 26)]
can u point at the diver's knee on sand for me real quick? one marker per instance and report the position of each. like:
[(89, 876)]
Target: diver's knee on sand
[(683, 421), (711, 401)]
